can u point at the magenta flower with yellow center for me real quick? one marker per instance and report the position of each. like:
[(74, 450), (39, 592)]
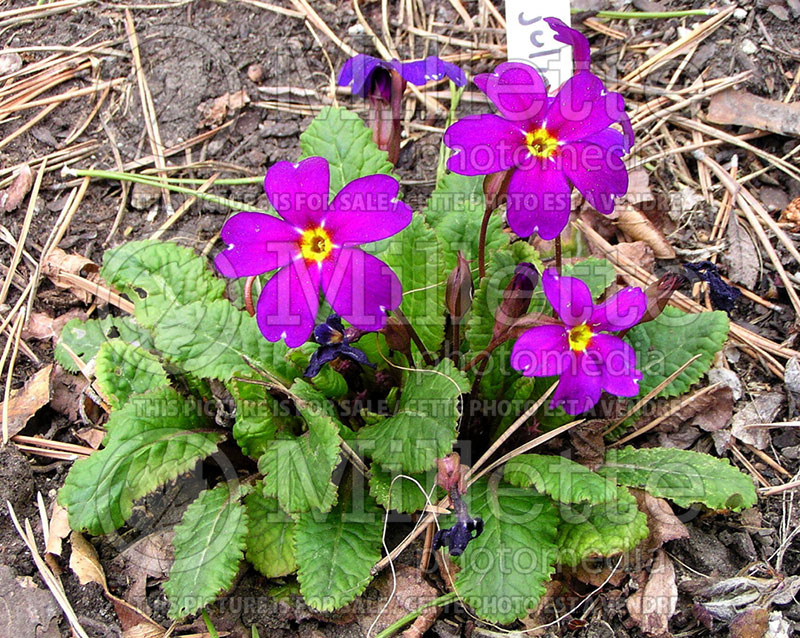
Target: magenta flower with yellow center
[(580, 349), (314, 247)]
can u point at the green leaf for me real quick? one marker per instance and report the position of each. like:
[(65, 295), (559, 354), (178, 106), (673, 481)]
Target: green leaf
[(336, 552), (123, 370), (503, 570), (665, 344), (415, 255), (563, 480), (341, 137), (423, 426), (214, 339), (270, 538), (297, 470), (158, 276), (600, 530), (84, 338), (682, 476), (404, 495), (456, 193), (151, 441), (209, 544), (259, 417)]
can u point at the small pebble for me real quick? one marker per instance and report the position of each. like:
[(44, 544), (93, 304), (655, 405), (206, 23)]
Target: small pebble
[(255, 72), (749, 47), (740, 14)]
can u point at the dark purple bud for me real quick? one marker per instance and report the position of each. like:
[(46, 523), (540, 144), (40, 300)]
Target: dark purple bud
[(459, 290), (658, 294), (516, 298)]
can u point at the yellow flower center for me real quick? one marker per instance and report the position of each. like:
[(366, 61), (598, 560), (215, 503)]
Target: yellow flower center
[(540, 143), (580, 337), (315, 244)]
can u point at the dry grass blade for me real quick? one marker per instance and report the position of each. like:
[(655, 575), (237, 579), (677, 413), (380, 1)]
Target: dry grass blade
[(49, 578), (274, 8), (184, 207), (36, 443), (29, 124), (313, 17), (13, 341)]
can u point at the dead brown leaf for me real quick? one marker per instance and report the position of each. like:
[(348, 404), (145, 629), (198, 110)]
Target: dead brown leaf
[(709, 411), (28, 400), (741, 255), (751, 623), (42, 326), (639, 228), (84, 562), (652, 606), (588, 442), (12, 196), (745, 109), (762, 409), (93, 437), (791, 215), (661, 521), (66, 392), (213, 112), (59, 530), (639, 252), (60, 263)]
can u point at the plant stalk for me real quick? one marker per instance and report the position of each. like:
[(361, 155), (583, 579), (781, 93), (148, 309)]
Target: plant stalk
[(415, 338), (438, 602)]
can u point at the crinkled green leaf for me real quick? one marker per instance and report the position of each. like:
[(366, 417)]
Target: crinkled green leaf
[(123, 370), (603, 529), (503, 571), (152, 440), (214, 339), (259, 417), (159, 276), (423, 426), (665, 344), (297, 470), (84, 338), (403, 495), (682, 476), (209, 545), (270, 537), (336, 551), (342, 138), (563, 480), (415, 255), (328, 381)]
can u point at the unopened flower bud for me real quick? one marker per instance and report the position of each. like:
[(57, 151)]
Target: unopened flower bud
[(397, 335), (516, 298), (450, 475), (459, 290), (495, 188), (658, 294)]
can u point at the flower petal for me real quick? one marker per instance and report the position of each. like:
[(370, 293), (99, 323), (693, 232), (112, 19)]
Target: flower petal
[(580, 45), (538, 200), (542, 351), (518, 91), (430, 69), (620, 376), (484, 144), (597, 172), (582, 107), (580, 387), (360, 287), (570, 297), (288, 304), (358, 70), (257, 243), (366, 210), (621, 311), (299, 192)]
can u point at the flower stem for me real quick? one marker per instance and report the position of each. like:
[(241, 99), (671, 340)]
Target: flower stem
[(558, 254), (481, 356), (248, 295), (444, 151), (153, 181), (651, 15), (396, 626), (482, 242), (415, 338), (455, 344)]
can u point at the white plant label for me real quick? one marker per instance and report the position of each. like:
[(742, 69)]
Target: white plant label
[(531, 40)]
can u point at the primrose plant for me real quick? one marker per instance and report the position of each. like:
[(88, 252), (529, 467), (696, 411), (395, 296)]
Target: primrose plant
[(379, 345)]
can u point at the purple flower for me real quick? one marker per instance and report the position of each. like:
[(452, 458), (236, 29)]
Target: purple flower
[(549, 143), (580, 351), (368, 74), (313, 247)]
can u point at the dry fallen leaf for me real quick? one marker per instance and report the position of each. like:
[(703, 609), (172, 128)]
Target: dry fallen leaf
[(84, 562), (42, 326), (93, 437), (26, 401), (709, 411), (12, 196), (751, 623), (66, 392), (639, 252), (661, 521), (762, 409), (652, 606), (745, 109), (741, 255), (60, 264), (213, 112), (791, 215), (639, 228), (59, 530)]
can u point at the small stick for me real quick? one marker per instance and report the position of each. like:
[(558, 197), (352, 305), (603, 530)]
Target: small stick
[(769, 460)]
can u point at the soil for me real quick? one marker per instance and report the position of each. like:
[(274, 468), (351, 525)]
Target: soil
[(195, 52)]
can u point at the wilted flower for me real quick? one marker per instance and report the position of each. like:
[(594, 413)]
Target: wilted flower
[(516, 298), (579, 350), (723, 296), (459, 289), (659, 293), (383, 83), (548, 143), (334, 342), (314, 247)]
